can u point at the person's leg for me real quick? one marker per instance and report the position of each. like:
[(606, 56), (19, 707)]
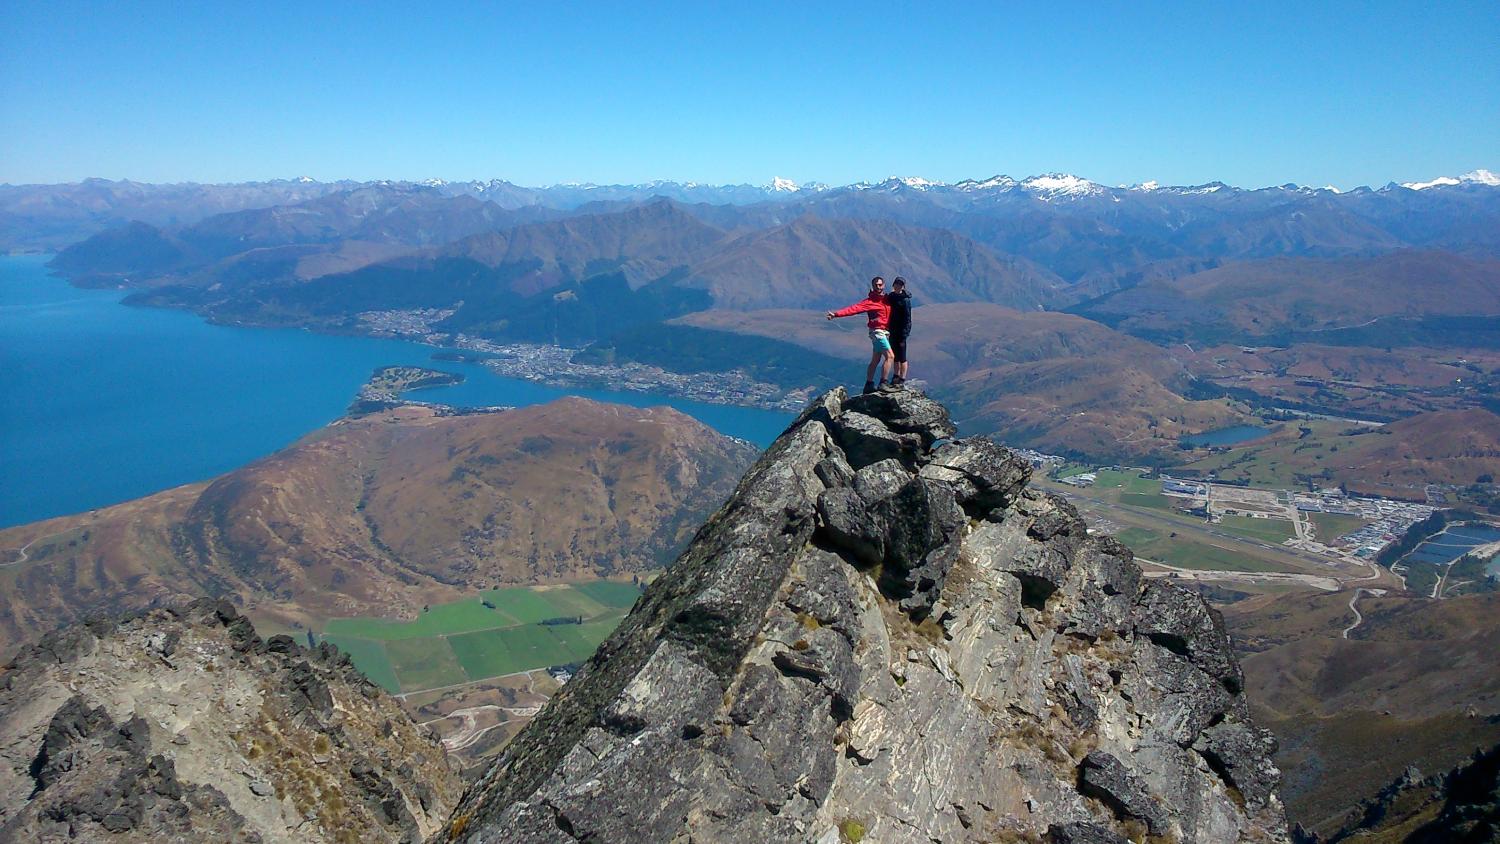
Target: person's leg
[(879, 344), (882, 361), (889, 364)]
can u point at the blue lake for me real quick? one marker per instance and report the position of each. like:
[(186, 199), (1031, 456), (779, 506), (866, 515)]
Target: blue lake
[(1226, 436), (1453, 543), (104, 403)]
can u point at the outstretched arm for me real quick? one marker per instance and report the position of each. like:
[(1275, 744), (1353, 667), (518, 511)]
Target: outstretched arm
[(860, 307)]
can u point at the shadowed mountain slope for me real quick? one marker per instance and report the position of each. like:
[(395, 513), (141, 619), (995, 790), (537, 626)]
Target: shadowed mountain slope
[(372, 220), (50, 217), (1303, 298), (818, 262), (1414, 684)]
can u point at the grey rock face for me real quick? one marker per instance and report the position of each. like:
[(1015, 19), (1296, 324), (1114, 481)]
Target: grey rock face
[(1079, 832), (983, 475), (1241, 752), (884, 631), (906, 412), (181, 725), (1102, 775)]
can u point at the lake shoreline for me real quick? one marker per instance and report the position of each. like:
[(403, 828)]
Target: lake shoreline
[(543, 363), (110, 404)]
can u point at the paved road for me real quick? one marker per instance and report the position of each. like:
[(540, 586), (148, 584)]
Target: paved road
[(527, 672), (1327, 584)]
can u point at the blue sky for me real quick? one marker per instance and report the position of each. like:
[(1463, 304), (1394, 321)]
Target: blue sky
[(1261, 93)]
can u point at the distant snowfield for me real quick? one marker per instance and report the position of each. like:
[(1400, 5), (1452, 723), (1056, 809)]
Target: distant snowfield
[(1477, 177)]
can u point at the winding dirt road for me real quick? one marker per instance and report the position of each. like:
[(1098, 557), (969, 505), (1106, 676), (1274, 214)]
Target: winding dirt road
[(1358, 616)]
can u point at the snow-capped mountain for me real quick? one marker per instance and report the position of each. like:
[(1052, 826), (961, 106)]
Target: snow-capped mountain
[(1474, 177), (992, 183), (1064, 188), (1059, 185)]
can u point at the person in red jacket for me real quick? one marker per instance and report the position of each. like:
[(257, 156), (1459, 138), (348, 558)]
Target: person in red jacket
[(878, 314)]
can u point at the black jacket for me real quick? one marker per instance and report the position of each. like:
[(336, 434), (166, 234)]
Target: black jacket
[(900, 303)]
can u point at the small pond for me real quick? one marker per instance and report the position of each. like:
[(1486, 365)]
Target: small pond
[(1226, 436)]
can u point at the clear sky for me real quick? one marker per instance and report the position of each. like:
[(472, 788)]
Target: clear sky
[(1253, 93)]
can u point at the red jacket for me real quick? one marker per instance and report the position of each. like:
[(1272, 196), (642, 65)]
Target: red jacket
[(875, 306)]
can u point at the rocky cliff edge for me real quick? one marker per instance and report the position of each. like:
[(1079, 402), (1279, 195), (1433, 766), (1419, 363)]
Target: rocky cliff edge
[(885, 635), (183, 725)]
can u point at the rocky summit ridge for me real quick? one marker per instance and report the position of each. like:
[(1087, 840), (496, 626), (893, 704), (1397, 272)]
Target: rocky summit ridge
[(885, 635)]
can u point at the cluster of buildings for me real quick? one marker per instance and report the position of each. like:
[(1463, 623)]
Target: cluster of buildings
[(1389, 519), (556, 366), (416, 322), (1193, 489), (1038, 460)]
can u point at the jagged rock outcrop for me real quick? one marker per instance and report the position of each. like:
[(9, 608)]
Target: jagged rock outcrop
[(183, 725), (884, 634), (1460, 806)]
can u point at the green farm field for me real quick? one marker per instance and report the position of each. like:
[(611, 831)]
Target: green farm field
[(1330, 526), (1154, 500), (1284, 459), (1185, 553), (465, 641), (1272, 531), (1128, 481), (370, 658)]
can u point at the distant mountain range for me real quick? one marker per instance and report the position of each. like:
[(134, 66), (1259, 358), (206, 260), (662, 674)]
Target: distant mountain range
[(44, 217), (1183, 268)]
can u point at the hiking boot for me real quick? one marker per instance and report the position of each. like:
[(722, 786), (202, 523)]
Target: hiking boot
[(898, 383), (869, 387)]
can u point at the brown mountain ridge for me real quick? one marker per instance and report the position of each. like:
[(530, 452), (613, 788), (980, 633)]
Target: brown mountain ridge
[(1047, 379), (385, 513)]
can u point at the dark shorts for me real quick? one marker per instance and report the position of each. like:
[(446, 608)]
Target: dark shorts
[(898, 345)]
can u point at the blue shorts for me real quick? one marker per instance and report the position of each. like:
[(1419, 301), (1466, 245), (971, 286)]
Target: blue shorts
[(880, 339)]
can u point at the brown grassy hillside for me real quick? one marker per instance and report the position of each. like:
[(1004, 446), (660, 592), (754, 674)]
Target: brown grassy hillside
[(1046, 379), (1452, 447), (816, 262), (1356, 381), (1308, 294), (1397, 460), (386, 513), (1415, 684)]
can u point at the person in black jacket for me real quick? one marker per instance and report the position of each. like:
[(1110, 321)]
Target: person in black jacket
[(900, 327)]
